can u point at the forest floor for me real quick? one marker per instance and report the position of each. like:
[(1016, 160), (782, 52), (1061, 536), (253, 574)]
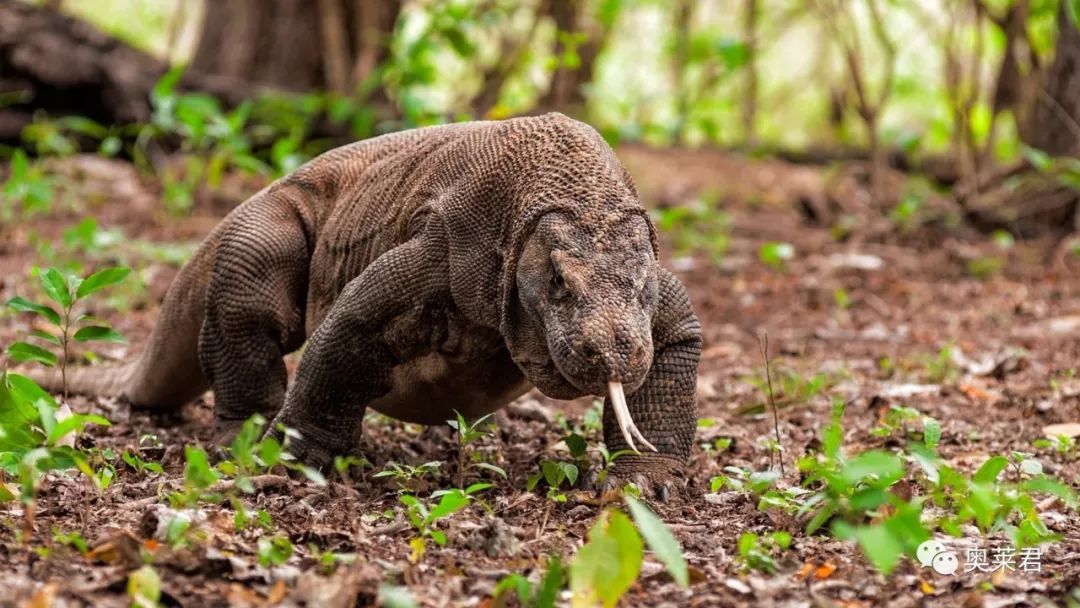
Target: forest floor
[(984, 339)]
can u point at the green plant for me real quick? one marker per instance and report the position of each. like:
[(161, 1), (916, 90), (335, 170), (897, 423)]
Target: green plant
[(468, 433), (542, 595), (792, 387), (609, 563), (73, 539), (424, 519), (244, 518), (405, 474), (139, 465), (274, 551), (144, 587), (26, 186), (37, 436), (940, 367), (1062, 444), (905, 215), (698, 226), (776, 255), (759, 552), (556, 474), (900, 420), (65, 292), (856, 496)]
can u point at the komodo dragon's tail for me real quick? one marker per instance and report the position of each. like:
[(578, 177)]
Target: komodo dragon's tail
[(167, 373)]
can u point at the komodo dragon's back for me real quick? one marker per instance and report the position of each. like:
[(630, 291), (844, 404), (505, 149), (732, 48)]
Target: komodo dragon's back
[(349, 205)]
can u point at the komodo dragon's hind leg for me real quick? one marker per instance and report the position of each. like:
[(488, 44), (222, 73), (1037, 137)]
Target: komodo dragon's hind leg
[(254, 311)]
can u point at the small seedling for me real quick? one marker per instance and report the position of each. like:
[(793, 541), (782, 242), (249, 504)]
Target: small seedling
[(556, 474), (404, 474), (776, 255), (1062, 444), (468, 433), (65, 292), (424, 519), (274, 551), (759, 552)]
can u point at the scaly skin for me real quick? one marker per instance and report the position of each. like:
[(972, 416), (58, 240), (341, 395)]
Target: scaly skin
[(433, 270)]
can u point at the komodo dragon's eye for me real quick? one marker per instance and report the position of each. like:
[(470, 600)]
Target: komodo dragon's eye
[(558, 284)]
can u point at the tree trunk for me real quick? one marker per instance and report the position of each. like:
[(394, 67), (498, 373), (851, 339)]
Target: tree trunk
[(566, 91), (60, 65), (296, 45), (1053, 120), (1047, 105)]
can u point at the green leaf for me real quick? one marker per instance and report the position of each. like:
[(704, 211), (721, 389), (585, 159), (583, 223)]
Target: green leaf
[(1047, 485), (490, 467), (74, 422), (46, 337), (21, 352), (56, 286), (605, 567), (197, 469), (660, 540), (880, 547), (23, 305), (776, 254), (885, 465), (990, 469), (102, 279), (449, 504), (552, 583), (931, 432), (144, 587), (1042, 161), (100, 334), (577, 445)]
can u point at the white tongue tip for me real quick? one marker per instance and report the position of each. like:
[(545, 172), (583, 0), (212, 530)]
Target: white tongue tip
[(627, 427)]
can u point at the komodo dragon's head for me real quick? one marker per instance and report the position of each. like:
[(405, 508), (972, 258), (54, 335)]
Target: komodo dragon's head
[(586, 291)]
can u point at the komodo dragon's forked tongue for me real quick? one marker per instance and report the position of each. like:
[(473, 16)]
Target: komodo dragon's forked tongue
[(622, 415)]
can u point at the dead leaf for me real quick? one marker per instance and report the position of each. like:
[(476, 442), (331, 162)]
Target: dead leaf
[(1068, 429), (277, 593), (44, 596), (824, 571), (926, 587), (805, 571), (122, 548), (979, 394)]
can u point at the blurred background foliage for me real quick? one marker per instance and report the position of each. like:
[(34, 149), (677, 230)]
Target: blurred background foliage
[(960, 89), (767, 73)]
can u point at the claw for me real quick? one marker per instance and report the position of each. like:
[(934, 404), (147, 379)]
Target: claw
[(622, 415)]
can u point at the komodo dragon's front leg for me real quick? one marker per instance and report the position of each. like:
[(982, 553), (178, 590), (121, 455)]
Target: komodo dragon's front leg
[(349, 359), (664, 408)]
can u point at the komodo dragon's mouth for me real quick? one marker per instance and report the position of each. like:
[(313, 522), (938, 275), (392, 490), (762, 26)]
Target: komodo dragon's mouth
[(625, 421)]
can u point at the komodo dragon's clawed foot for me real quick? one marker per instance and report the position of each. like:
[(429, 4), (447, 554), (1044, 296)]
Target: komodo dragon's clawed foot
[(657, 477)]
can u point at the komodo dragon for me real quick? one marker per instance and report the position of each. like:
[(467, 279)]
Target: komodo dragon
[(432, 270)]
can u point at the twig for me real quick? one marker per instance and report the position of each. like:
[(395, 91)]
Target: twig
[(764, 344), (390, 529)]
